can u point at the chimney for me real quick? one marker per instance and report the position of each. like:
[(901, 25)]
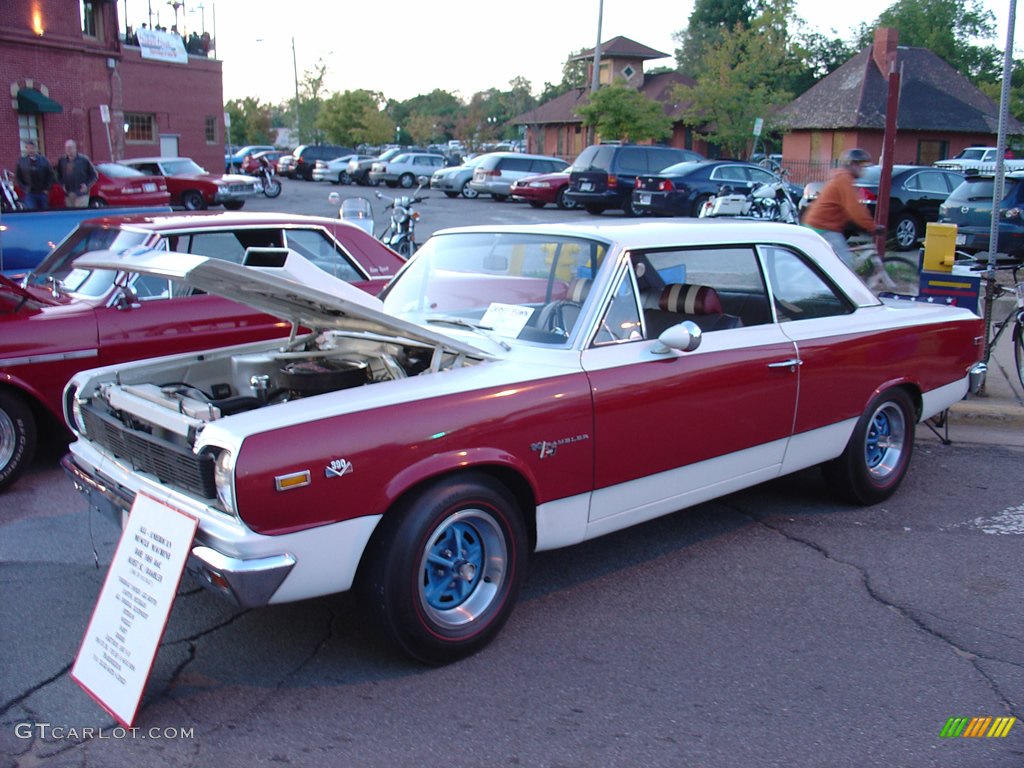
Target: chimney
[(883, 51)]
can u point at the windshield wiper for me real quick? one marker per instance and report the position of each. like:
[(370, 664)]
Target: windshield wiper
[(476, 327)]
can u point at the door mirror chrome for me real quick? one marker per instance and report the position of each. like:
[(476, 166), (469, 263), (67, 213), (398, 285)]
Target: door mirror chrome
[(684, 337)]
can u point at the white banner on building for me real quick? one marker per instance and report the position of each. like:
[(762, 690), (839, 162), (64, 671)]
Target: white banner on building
[(162, 46)]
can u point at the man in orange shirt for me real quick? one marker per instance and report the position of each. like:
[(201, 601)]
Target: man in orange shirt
[(838, 205)]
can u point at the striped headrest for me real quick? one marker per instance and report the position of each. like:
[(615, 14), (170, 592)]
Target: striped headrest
[(578, 289), (690, 299)]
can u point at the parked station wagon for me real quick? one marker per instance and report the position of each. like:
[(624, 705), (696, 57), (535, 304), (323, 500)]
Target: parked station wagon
[(514, 389), (63, 320)]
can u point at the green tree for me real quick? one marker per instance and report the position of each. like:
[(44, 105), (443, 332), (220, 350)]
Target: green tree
[(250, 121), (574, 75), (310, 100), (377, 127), (741, 79), (945, 27), (617, 111), (709, 21), (342, 116)]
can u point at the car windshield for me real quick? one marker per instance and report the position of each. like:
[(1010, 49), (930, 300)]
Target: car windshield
[(181, 166), (979, 190), (118, 171), (502, 283), (971, 154), (83, 240)]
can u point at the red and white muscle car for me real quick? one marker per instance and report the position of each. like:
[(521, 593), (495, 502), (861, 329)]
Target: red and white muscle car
[(61, 320), (516, 389)]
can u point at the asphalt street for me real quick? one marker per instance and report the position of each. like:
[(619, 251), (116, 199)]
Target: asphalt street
[(774, 627)]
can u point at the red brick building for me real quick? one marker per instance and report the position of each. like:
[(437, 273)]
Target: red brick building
[(64, 64)]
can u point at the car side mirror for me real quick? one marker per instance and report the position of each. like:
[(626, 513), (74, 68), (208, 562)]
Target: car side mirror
[(683, 337)]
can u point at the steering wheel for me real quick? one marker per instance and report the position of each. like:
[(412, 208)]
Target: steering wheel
[(552, 316)]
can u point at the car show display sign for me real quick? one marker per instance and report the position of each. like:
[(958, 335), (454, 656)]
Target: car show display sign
[(121, 641)]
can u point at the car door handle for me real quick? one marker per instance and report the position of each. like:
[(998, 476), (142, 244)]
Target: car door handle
[(793, 362)]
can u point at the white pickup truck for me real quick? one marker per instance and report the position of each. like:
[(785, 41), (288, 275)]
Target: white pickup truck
[(979, 159)]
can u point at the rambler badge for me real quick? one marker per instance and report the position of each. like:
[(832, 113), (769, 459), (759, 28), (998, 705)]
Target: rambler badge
[(546, 448), (338, 468)]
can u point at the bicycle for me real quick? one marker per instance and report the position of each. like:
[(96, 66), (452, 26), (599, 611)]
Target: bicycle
[(887, 270), (1014, 318)]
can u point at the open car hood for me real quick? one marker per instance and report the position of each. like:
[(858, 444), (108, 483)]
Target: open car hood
[(281, 283)]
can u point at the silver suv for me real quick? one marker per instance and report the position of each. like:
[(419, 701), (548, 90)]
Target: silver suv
[(496, 172), (403, 170)]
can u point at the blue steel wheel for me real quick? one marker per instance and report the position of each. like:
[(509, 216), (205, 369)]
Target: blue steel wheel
[(443, 571), (878, 454), (885, 441), (463, 567)]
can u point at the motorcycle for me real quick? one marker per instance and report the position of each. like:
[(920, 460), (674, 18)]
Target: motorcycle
[(9, 200), (400, 234), (271, 184), (771, 202)]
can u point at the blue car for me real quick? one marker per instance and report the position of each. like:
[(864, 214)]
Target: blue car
[(681, 189)]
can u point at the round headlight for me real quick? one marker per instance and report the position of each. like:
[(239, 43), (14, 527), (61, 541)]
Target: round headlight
[(224, 479)]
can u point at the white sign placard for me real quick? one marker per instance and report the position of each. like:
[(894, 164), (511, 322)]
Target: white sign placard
[(506, 319), (161, 46), (120, 644)]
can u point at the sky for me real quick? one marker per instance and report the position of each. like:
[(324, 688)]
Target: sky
[(403, 48)]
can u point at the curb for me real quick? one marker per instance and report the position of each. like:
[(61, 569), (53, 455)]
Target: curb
[(977, 411)]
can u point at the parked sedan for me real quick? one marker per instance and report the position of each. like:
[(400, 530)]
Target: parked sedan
[(119, 185), (336, 170), (917, 192), (193, 187), (681, 189), (454, 181), (544, 188), (516, 389), (969, 206), (50, 330)]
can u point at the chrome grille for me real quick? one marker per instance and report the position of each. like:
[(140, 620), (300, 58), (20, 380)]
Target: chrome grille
[(172, 464)]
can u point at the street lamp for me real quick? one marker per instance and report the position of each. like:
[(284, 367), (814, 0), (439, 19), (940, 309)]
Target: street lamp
[(295, 70), (298, 115)]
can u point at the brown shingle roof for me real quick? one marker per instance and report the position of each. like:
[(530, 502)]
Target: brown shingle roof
[(562, 109), (933, 97), (623, 46)]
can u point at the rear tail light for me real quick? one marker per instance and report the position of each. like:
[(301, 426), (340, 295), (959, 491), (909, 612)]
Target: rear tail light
[(493, 172), (613, 182), (868, 196), (666, 185)]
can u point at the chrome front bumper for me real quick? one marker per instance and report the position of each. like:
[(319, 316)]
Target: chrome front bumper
[(246, 583)]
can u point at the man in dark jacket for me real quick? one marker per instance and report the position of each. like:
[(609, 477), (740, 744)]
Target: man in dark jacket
[(76, 174), (35, 176)]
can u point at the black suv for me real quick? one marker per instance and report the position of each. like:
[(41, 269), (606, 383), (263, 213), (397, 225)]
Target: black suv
[(306, 156), (603, 175)]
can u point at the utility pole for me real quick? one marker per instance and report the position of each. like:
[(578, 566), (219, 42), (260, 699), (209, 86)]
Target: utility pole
[(595, 77)]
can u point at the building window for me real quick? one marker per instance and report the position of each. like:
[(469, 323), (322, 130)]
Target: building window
[(30, 128), (139, 128), (90, 18), (211, 130), (930, 151), (604, 73)]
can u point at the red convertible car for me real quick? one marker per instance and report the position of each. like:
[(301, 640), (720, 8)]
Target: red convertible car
[(540, 386), (193, 187), (64, 319), (119, 185)]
